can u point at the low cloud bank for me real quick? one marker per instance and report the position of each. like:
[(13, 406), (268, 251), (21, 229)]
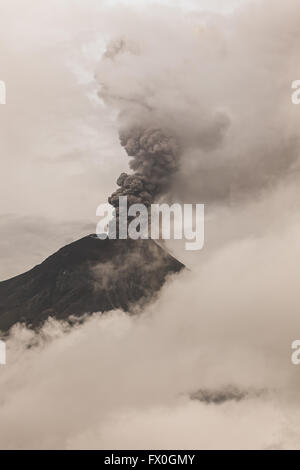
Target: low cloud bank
[(117, 381)]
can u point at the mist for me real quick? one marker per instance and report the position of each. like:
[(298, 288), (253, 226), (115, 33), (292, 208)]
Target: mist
[(118, 381)]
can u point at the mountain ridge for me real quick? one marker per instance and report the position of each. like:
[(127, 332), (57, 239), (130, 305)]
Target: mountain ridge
[(87, 276)]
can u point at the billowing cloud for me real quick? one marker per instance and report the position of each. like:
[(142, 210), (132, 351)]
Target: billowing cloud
[(220, 85), (118, 381)]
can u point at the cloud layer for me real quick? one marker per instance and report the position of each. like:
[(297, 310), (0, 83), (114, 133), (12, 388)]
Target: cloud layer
[(124, 382)]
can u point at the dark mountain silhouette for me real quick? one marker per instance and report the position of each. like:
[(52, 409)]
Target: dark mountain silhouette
[(89, 275)]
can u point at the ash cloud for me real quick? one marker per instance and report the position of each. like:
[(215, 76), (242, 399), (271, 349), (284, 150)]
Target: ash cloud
[(154, 161), (221, 85), (155, 156)]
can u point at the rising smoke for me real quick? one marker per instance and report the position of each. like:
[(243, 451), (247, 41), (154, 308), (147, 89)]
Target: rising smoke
[(199, 78), (155, 160), (154, 155)]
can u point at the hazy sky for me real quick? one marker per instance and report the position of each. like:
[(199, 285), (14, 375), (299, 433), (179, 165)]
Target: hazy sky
[(217, 6)]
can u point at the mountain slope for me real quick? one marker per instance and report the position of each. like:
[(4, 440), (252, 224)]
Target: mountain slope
[(89, 275)]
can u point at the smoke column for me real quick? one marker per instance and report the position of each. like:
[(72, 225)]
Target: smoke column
[(155, 160), (154, 151)]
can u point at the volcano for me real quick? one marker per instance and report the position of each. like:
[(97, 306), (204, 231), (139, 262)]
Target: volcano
[(87, 276)]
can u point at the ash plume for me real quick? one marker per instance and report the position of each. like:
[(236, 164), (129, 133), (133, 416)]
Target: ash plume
[(153, 150), (155, 155), (154, 160)]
